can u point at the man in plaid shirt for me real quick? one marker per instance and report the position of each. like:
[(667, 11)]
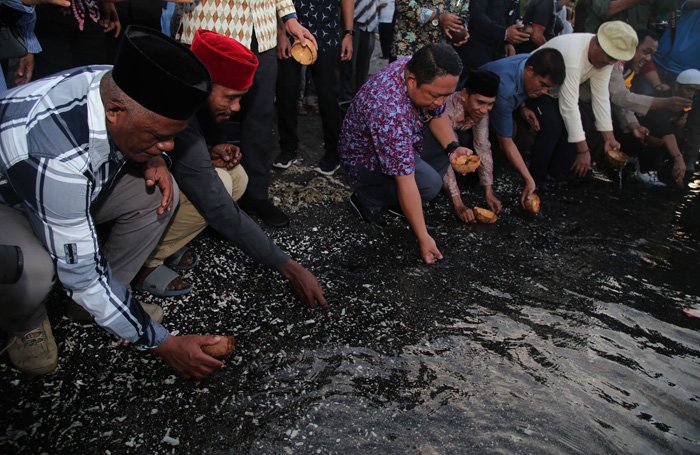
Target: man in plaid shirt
[(67, 147)]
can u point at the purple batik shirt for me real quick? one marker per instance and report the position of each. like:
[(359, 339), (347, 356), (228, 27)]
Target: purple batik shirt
[(382, 127)]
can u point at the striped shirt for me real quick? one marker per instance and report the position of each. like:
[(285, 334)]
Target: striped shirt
[(55, 159)]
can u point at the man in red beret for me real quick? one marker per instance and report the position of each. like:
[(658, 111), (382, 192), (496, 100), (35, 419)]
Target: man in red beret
[(207, 172)]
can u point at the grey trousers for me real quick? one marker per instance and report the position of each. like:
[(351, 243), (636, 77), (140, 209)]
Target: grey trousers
[(379, 190), (136, 230)]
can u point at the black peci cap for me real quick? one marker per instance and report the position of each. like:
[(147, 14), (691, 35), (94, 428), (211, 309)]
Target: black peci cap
[(483, 82), (160, 74)]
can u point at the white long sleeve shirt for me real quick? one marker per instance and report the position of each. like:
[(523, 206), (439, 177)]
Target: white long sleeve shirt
[(574, 49)]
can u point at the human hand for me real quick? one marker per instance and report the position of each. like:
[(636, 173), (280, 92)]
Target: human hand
[(450, 22), (510, 50), (460, 151), (493, 202), (284, 46), (428, 249), (527, 191), (640, 132), (25, 69), (678, 170), (582, 163), (346, 48), (184, 355), (530, 117), (300, 33), (226, 156), (304, 284), (677, 103), (465, 214), (515, 34), (155, 171), (109, 19)]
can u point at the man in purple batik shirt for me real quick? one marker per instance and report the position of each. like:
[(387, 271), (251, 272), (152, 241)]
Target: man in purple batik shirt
[(382, 138)]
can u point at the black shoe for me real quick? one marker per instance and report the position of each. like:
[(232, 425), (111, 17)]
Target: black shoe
[(429, 222), (327, 166), (265, 210), (373, 217), (284, 160)]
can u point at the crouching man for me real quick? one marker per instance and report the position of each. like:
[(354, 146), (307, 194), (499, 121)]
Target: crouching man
[(382, 138), (209, 193), (66, 142)]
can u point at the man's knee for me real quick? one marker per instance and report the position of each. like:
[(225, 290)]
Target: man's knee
[(235, 180)]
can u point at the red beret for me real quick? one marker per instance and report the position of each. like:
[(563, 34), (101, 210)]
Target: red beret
[(230, 63)]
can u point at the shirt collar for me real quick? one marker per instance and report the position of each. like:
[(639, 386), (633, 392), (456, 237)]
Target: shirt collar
[(101, 147)]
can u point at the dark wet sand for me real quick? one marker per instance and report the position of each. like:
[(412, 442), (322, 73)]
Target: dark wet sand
[(557, 333)]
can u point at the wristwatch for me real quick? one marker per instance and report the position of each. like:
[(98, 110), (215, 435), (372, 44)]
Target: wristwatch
[(350, 32), (436, 20)]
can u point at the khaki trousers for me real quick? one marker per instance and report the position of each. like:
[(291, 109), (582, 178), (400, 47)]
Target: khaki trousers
[(187, 222)]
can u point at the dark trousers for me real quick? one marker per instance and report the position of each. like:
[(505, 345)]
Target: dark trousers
[(257, 123), (326, 82), (354, 74), (435, 155), (386, 37), (64, 45), (552, 153), (379, 190)]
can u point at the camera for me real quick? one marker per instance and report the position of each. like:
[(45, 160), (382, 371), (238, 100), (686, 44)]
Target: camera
[(11, 264)]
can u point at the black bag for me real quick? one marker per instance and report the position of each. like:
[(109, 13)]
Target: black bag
[(11, 42)]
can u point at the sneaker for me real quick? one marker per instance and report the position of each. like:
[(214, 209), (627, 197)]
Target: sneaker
[(372, 216), (35, 352), (265, 210), (76, 313), (396, 210), (327, 166), (650, 178), (285, 159)]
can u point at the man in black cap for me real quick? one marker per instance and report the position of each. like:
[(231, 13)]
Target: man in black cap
[(467, 116), (68, 145)]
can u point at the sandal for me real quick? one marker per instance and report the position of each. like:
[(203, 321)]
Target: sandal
[(157, 282), (173, 261)]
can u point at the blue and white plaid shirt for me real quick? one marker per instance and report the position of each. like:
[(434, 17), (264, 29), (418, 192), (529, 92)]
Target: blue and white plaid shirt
[(55, 159)]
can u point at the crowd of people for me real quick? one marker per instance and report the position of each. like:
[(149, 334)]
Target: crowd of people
[(116, 147)]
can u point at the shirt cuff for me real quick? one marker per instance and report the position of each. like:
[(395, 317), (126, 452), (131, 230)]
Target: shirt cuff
[(289, 16)]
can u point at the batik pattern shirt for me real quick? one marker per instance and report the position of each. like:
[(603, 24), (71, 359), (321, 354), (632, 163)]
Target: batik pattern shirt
[(237, 19), (454, 110), (55, 159), (414, 29), (382, 126)]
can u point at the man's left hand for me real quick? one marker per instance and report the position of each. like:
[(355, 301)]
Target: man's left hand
[(304, 284), (460, 151), (155, 172), (25, 69)]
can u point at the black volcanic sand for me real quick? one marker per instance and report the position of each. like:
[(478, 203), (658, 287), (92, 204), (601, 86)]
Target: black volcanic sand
[(561, 332)]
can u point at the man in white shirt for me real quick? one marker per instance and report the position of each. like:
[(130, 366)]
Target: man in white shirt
[(558, 152)]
